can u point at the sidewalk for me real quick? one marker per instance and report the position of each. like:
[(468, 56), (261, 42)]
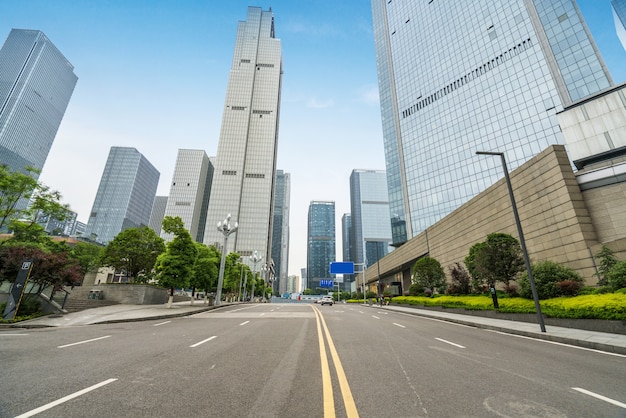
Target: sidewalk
[(615, 343)]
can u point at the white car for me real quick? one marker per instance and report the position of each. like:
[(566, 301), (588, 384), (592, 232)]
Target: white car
[(327, 300)]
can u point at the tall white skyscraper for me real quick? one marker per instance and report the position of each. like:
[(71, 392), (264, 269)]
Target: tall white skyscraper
[(36, 84), (245, 167), (459, 77), (125, 196), (189, 192)]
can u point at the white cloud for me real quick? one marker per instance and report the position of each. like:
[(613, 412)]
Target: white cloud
[(314, 103)]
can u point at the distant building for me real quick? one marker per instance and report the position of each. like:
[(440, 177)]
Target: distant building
[(369, 204), (321, 243), (189, 192), (36, 84), (125, 196), (484, 76), (245, 166), (157, 214), (346, 247), (280, 230), (56, 227), (619, 14), (79, 228)]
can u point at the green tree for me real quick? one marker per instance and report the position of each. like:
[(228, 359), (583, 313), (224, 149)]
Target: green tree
[(499, 259), (133, 251), (428, 274), (16, 187), (616, 277), (232, 273), (547, 276), (206, 268), (174, 267), (606, 261), (478, 282), (87, 255)]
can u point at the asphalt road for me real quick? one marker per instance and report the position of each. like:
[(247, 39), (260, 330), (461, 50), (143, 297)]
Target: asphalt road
[(289, 360)]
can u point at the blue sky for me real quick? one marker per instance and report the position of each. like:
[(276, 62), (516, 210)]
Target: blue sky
[(153, 75)]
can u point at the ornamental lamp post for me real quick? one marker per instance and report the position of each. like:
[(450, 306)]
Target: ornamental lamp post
[(256, 258), (226, 229)]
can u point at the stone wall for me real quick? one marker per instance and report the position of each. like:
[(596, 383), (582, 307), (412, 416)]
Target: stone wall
[(131, 294), (556, 223)]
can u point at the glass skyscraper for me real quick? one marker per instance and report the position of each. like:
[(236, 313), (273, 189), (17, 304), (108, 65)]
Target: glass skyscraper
[(189, 192), (125, 196), (36, 84), (245, 166), (619, 14), (280, 230), (459, 77), (321, 242), (369, 205)]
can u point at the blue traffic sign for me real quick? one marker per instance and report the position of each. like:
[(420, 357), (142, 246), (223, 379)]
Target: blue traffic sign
[(342, 267)]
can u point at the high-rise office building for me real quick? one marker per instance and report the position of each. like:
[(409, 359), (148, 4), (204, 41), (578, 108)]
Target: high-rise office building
[(36, 84), (369, 203), (484, 76), (346, 248), (189, 192), (321, 243), (125, 196), (245, 166), (157, 214), (619, 14), (280, 230)]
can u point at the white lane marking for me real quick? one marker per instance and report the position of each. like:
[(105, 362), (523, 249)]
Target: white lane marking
[(64, 399), (262, 314), (382, 313), (449, 342), (8, 335), (398, 325), (435, 319), (203, 341), (561, 344), (360, 311), (161, 323), (603, 398), (244, 323), (374, 316), (84, 342)]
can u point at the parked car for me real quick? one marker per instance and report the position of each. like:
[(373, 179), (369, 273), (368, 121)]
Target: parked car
[(327, 300)]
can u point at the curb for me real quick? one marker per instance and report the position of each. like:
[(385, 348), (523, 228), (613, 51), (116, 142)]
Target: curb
[(537, 335)]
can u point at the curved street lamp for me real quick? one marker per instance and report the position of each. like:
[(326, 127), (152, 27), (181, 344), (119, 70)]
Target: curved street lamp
[(529, 269), (226, 229)]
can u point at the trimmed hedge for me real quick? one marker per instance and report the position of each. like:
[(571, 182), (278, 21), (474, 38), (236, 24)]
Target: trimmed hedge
[(603, 306)]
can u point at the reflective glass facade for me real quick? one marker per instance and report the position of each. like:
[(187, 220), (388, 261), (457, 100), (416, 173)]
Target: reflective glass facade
[(280, 230), (36, 84), (369, 206), (189, 189), (125, 196), (321, 242), (245, 167), (619, 15), (460, 77)]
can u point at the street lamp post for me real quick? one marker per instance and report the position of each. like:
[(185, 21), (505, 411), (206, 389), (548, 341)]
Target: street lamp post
[(226, 229), (521, 237), (256, 258)]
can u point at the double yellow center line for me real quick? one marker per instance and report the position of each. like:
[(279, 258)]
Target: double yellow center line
[(327, 386)]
